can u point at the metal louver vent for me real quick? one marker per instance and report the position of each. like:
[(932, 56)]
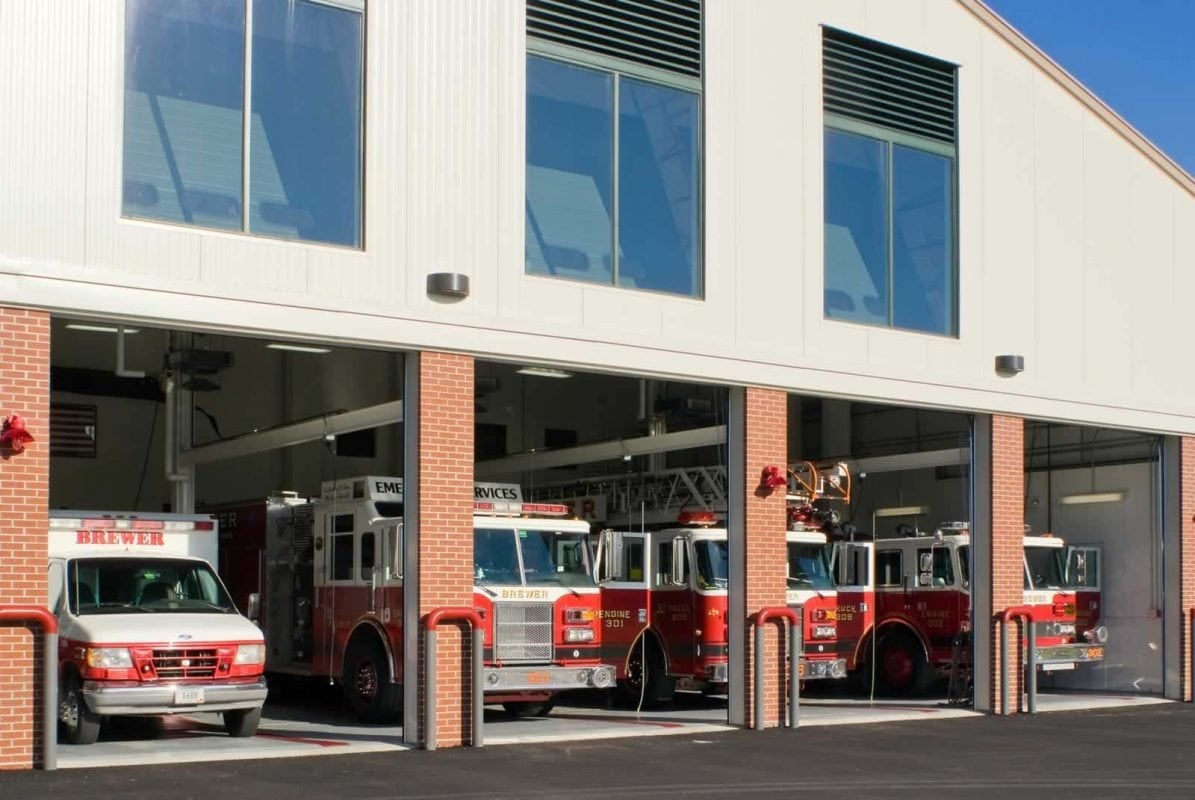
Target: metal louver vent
[(72, 430), (888, 86), (663, 34)]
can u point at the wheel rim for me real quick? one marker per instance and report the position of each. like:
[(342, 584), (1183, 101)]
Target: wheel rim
[(635, 670), (68, 709), (365, 681), (898, 666)]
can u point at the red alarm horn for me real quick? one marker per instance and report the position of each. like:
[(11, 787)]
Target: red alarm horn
[(14, 434)]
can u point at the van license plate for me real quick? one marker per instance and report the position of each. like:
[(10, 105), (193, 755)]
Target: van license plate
[(188, 696)]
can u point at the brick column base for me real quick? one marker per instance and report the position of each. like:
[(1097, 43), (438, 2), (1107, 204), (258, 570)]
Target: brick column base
[(765, 523), (24, 530)]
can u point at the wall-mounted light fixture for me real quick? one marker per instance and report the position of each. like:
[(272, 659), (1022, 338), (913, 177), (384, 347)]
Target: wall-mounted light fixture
[(1091, 497), (1010, 364), (545, 372), (900, 511), (297, 348), (452, 285)]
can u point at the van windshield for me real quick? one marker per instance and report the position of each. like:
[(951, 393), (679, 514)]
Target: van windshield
[(145, 586)]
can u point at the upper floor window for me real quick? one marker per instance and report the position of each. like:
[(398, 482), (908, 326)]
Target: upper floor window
[(890, 187), (614, 144), (246, 115)]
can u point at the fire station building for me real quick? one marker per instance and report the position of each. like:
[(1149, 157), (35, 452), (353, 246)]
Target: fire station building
[(639, 256)]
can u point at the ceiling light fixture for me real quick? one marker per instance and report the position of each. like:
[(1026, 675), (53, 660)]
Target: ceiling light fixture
[(298, 348), (80, 326), (545, 372), (901, 511), (1091, 497)]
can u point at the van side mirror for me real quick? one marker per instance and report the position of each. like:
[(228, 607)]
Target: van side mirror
[(253, 612), (678, 561)]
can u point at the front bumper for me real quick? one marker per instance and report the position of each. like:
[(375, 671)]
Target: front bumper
[(117, 698), (1069, 653), (822, 668), (547, 679)]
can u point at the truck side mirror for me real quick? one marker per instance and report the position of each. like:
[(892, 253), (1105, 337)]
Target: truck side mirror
[(609, 556), (253, 612), (678, 561), (926, 562)]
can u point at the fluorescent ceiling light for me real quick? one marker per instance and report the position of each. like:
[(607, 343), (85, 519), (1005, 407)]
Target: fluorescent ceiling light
[(79, 326), (545, 372), (901, 511), (1091, 497), (298, 348)]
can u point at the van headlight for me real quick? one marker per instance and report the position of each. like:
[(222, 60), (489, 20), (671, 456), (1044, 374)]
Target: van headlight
[(250, 654), (109, 658)]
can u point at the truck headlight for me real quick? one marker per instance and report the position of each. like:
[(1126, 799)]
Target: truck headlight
[(824, 631), (578, 615), (109, 658), (250, 654), (578, 634)]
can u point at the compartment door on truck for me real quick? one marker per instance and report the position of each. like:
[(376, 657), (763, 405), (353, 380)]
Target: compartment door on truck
[(850, 563), (625, 598), (672, 602), (1083, 564)]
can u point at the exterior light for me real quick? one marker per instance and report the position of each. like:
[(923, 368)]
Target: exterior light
[(1010, 364), (297, 348), (452, 285)]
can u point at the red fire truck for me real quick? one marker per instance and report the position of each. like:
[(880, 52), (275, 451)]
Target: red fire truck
[(332, 600), (912, 597), (664, 607)]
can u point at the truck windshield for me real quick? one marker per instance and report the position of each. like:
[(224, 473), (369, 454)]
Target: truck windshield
[(1043, 568), (558, 558), (145, 586), (807, 567), (713, 564)]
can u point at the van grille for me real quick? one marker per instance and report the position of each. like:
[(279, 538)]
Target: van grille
[(185, 663), (523, 632)]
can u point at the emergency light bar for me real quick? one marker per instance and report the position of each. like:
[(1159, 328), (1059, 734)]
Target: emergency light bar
[(130, 524), (514, 509)]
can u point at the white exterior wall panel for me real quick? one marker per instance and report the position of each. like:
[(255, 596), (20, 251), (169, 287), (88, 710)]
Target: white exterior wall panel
[(1075, 248)]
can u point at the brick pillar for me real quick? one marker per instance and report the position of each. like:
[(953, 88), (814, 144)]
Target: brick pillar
[(24, 527), (766, 553), (1007, 548), (446, 531), (1187, 557)]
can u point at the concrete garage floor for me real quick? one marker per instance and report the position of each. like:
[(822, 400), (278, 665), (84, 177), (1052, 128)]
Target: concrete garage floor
[(310, 722)]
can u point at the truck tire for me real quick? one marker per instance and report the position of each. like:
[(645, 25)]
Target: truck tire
[(647, 677), (242, 722), (368, 690), (80, 724), (902, 668), (535, 708)]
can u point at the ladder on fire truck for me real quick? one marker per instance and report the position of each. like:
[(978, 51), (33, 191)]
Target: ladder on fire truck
[(660, 497), (653, 498)]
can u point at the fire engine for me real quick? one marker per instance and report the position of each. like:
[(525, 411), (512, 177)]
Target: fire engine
[(912, 596), (145, 625), (332, 599)]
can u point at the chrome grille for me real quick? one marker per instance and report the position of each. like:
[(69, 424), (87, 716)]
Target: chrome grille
[(522, 632), (185, 663)]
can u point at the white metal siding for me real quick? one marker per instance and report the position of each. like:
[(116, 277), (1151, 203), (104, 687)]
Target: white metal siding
[(1076, 250)]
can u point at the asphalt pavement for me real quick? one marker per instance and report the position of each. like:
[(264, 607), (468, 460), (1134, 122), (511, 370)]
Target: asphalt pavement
[(1141, 752)]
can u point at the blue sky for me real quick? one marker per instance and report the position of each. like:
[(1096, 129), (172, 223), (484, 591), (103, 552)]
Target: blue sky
[(1138, 56)]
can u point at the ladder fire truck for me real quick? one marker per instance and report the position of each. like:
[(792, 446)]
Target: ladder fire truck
[(909, 597), (332, 599), (665, 586)]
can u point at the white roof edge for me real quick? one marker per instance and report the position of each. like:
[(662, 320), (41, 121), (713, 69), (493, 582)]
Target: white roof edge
[(1088, 98)]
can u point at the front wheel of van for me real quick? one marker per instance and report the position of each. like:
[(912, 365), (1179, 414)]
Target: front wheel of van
[(242, 722), (80, 723)]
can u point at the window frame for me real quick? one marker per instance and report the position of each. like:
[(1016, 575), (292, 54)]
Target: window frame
[(618, 68), (891, 138), (349, 6)]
